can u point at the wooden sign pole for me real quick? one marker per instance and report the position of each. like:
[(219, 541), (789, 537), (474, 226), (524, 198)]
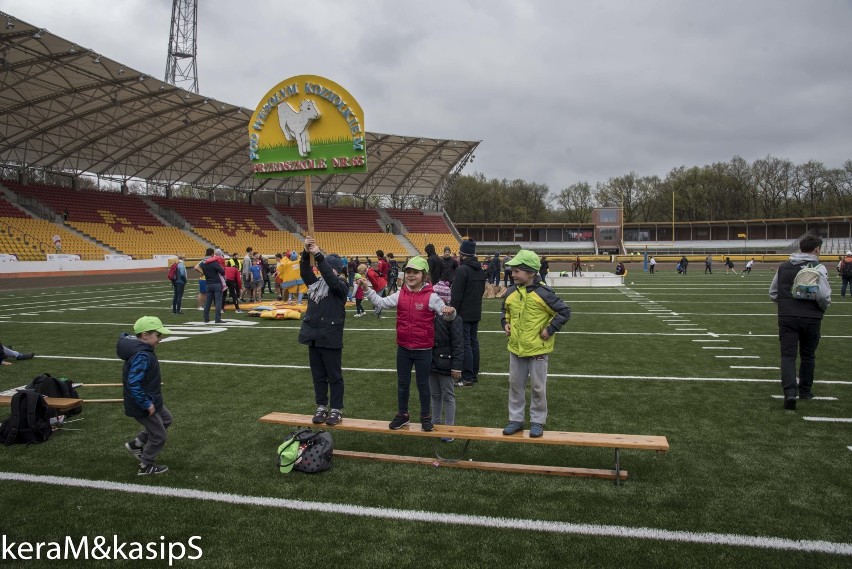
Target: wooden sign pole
[(309, 205)]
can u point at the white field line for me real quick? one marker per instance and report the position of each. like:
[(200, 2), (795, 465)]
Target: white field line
[(484, 373), (828, 419), (754, 367), (419, 516), (740, 357), (51, 303), (691, 329), (850, 448), (719, 348), (814, 399), (711, 340)]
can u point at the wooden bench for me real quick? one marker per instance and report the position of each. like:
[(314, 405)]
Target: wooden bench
[(467, 434), (58, 403)]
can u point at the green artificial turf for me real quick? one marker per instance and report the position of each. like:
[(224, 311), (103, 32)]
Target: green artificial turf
[(738, 463)]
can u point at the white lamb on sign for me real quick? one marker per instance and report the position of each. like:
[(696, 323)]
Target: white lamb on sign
[(295, 124)]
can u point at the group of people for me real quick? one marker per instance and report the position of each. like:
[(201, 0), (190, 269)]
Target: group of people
[(436, 330), (436, 334)]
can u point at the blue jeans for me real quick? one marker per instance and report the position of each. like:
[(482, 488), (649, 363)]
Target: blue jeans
[(177, 299), (846, 282), (214, 293), (421, 360), (470, 367), (351, 284)]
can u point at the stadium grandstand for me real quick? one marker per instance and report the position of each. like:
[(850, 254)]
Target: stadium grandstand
[(111, 160)]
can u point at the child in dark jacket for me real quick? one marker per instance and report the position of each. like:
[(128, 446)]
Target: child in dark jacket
[(447, 361), (322, 331), (143, 398)]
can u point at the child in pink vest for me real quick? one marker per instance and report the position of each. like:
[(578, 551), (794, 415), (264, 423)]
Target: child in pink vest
[(416, 305)]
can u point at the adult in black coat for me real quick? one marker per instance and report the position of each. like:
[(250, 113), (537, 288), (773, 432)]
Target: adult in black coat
[(322, 331), (466, 298), (434, 262)]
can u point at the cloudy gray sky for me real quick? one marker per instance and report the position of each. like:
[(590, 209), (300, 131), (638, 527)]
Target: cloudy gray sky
[(559, 91)]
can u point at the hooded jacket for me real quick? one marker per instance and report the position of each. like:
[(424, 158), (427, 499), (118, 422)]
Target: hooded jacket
[(529, 310), (468, 288), (322, 325), (140, 376), (780, 290), (434, 262), (448, 351)]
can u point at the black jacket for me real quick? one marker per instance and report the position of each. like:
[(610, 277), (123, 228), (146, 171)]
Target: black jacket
[(448, 269), (322, 325), (448, 352), (468, 288)]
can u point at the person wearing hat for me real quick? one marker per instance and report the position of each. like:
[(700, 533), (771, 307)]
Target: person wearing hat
[(466, 297), (416, 304), (448, 266), (844, 267), (531, 315), (143, 396), (322, 331)]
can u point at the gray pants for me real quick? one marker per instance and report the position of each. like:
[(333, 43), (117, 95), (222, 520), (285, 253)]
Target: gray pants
[(10, 353), (443, 396), (153, 434), (534, 369)]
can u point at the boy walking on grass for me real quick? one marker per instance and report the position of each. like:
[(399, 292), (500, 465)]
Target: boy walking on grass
[(531, 315), (143, 398)]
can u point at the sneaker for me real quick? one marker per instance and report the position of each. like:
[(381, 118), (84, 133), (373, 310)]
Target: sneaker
[(133, 449), (27, 356), (238, 311), (399, 421), (447, 439), (426, 424), (145, 470), (359, 314), (320, 416), (790, 404), (465, 383), (513, 427), (536, 430), (334, 418)]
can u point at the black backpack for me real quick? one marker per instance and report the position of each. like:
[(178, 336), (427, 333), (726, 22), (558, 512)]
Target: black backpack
[(29, 421), (846, 269), (50, 386)]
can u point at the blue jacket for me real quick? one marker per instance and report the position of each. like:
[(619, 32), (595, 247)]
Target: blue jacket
[(140, 376)]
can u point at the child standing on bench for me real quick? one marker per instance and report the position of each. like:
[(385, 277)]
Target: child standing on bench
[(322, 331), (531, 315), (447, 362), (416, 305), (143, 398)]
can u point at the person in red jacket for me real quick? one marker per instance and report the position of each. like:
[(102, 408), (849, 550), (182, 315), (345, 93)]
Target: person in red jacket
[(234, 281), (416, 305)]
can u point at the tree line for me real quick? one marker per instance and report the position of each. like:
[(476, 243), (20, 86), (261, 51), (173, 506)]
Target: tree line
[(768, 188)]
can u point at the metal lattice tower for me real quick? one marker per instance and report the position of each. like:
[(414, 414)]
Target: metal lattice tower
[(181, 69)]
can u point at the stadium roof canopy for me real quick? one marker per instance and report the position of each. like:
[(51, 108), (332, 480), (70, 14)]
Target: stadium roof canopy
[(65, 108)]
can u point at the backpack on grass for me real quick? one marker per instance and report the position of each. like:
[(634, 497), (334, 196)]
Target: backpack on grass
[(806, 282), (47, 385), (305, 451), (29, 421)]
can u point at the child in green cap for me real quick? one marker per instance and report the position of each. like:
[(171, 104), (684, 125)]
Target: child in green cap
[(531, 315), (143, 397), (416, 305)]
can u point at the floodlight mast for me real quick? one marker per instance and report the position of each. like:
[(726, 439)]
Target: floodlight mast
[(181, 69)]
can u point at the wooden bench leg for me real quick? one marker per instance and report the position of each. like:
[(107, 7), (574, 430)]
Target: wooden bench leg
[(463, 454), (617, 466)]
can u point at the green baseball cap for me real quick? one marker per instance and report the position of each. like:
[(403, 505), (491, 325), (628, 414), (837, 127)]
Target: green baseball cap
[(417, 263), (150, 324), (527, 259)]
